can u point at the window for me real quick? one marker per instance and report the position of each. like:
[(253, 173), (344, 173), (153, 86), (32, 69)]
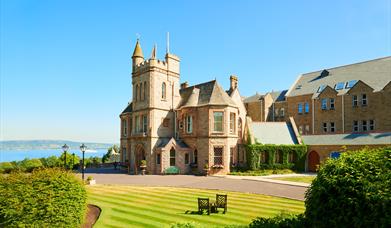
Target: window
[(145, 123), (307, 129), (231, 156), (279, 157), (137, 89), (264, 157), (282, 112), (166, 122), (332, 103), (124, 154), (300, 108), (339, 85), (364, 100), (124, 127), (324, 127), (158, 159), (195, 157), (172, 157), (355, 100), (218, 121), (364, 125), (350, 84), (187, 158), (137, 122), (232, 121), (189, 124), (355, 125), (321, 88), (371, 125), (141, 92), (306, 107), (276, 112), (332, 127), (218, 155), (163, 90), (335, 154), (145, 91), (324, 103), (291, 157)]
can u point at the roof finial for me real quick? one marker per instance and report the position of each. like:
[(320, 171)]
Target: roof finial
[(168, 43), (138, 36), (153, 54)]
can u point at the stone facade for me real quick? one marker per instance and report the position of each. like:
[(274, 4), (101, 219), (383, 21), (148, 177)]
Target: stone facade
[(168, 124)]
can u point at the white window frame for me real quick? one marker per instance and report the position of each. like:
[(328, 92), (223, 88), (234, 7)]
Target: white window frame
[(324, 103), (355, 100), (364, 99), (332, 103), (215, 122), (189, 124)]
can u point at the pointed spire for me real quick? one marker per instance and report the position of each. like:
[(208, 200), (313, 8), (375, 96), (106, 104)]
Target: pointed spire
[(138, 52), (153, 54)]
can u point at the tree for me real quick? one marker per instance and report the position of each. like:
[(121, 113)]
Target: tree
[(29, 165), (51, 161), (109, 156), (71, 160)]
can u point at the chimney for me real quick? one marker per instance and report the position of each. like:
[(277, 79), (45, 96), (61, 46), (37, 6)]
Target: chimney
[(184, 85), (234, 82)]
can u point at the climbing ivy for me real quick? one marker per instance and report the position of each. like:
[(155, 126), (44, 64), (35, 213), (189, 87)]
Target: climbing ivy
[(254, 152)]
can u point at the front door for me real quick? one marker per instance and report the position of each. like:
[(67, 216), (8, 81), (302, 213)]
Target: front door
[(140, 155), (313, 161)]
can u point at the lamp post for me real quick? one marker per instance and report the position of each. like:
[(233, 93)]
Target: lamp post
[(83, 149), (65, 148), (73, 160)]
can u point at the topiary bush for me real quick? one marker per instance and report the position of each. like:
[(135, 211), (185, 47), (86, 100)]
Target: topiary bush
[(45, 198), (352, 191), (172, 170)]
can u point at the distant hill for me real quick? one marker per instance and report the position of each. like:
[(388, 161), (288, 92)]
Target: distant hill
[(47, 144)]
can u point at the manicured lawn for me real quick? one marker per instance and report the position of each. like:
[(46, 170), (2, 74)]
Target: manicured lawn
[(262, 172), (303, 179), (131, 206)]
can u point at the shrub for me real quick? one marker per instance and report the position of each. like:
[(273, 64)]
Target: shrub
[(29, 165), (51, 161), (45, 198), (185, 225), (172, 170), (254, 152), (6, 167), (280, 221), (352, 191)]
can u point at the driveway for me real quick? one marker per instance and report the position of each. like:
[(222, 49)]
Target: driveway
[(202, 182)]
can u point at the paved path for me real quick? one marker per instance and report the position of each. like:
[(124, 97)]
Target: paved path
[(202, 182), (269, 178)]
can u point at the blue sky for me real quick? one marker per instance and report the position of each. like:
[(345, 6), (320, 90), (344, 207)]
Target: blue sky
[(66, 69)]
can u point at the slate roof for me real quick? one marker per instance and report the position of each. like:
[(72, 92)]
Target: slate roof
[(208, 93), (253, 98), (348, 139), (165, 141), (375, 73), (128, 108), (279, 133), (278, 95)]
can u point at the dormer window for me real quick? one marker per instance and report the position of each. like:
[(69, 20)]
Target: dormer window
[(321, 88), (324, 73), (339, 85), (350, 84)]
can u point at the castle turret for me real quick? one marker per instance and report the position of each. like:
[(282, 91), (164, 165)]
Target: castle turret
[(138, 56)]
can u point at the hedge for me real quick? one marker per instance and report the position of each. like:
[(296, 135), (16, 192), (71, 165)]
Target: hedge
[(280, 221), (253, 154), (44, 198), (352, 191)]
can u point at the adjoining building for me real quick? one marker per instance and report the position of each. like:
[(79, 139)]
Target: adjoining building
[(346, 107), (171, 124)]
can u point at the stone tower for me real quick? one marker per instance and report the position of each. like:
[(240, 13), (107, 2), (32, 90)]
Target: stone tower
[(155, 86)]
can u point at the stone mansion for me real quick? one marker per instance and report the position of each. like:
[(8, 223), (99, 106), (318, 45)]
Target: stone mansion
[(204, 126), (171, 124)]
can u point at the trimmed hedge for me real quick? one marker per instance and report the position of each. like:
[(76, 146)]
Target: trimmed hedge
[(280, 221), (44, 198), (352, 191), (253, 152)]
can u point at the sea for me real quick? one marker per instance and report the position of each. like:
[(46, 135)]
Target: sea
[(18, 155)]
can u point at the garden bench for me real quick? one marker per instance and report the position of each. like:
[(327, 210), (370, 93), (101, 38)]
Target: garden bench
[(203, 204), (221, 202)]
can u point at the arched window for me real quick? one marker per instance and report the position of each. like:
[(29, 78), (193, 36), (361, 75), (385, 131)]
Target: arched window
[(137, 92), (163, 90), (172, 157), (141, 92), (145, 90)]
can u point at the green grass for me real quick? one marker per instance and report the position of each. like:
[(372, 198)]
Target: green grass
[(131, 206), (303, 179), (261, 172)]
